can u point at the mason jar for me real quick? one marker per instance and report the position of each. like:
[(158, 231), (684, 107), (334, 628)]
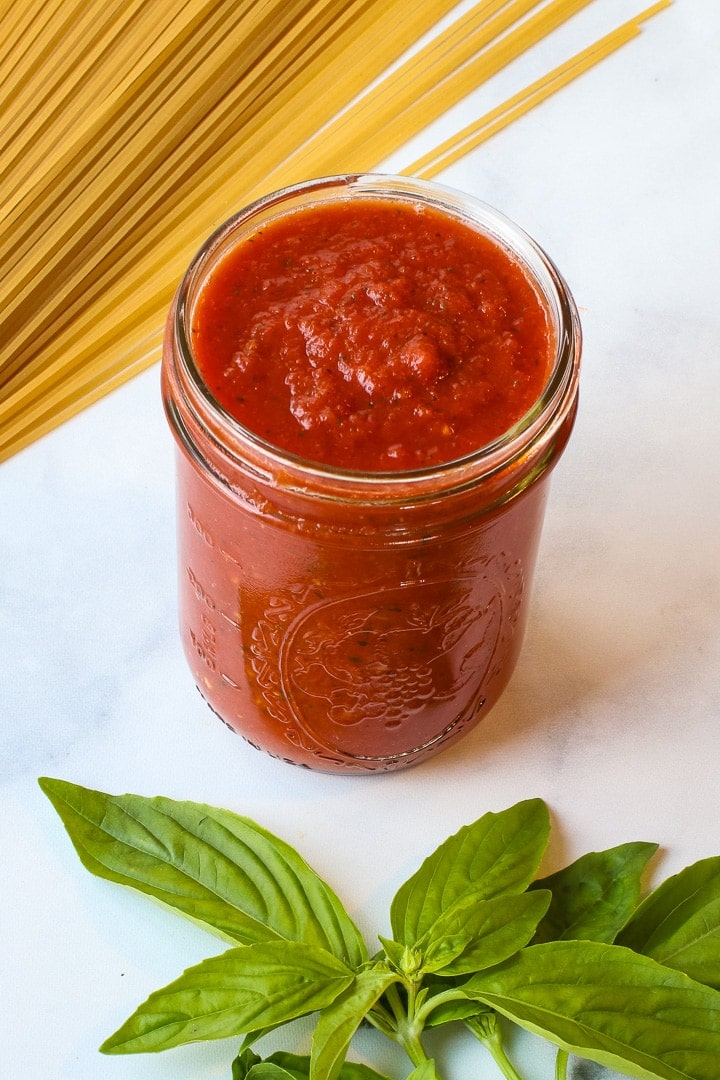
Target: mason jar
[(355, 621)]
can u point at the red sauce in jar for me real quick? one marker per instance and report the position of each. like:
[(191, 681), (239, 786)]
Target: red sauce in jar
[(366, 616), (377, 335)]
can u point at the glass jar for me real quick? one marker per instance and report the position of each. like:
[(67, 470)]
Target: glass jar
[(349, 621)]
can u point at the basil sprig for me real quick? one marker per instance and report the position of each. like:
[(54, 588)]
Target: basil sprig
[(580, 957)]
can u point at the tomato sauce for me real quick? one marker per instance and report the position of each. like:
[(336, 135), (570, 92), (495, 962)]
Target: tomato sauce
[(374, 336), (355, 556)]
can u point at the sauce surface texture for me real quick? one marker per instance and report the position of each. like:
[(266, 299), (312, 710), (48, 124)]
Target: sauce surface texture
[(372, 334)]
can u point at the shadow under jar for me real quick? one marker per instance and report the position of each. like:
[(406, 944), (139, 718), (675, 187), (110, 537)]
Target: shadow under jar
[(347, 617)]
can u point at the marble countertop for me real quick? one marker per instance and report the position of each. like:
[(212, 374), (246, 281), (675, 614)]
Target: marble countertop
[(613, 714)]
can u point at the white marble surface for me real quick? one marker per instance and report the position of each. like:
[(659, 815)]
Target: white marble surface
[(613, 715)]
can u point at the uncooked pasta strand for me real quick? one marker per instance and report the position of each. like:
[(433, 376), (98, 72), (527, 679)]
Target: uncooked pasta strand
[(349, 133), (130, 128), (44, 103), (473, 135), (461, 82)]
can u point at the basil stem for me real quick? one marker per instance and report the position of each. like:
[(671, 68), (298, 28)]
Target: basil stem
[(561, 1065), (486, 1029)]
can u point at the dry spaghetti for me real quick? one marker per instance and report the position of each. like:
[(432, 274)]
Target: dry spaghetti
[(130, 128)]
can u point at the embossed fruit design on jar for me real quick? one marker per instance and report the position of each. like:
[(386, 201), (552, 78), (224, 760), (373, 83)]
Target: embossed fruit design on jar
[(369, 380)]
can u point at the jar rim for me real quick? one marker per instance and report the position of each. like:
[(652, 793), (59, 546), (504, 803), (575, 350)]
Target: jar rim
[(552, 406)]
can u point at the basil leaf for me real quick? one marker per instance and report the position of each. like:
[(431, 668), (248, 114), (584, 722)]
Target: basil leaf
[(340, 1020), (284, 1066), (473, 935), (678, 924), (243, 1063), (610, 1005), (396, 954), (211, 865), (267, 1070), (251, 987), (298, 1068), (593, 897), (440, 953), (449, 1011), (498, 854), (440, 1008)]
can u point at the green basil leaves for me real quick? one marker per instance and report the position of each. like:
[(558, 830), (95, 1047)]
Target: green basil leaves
[(496, 856), (245, 989), (679, 923), (583, 957), (610, 1005), (594, 896), (214, 866)]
